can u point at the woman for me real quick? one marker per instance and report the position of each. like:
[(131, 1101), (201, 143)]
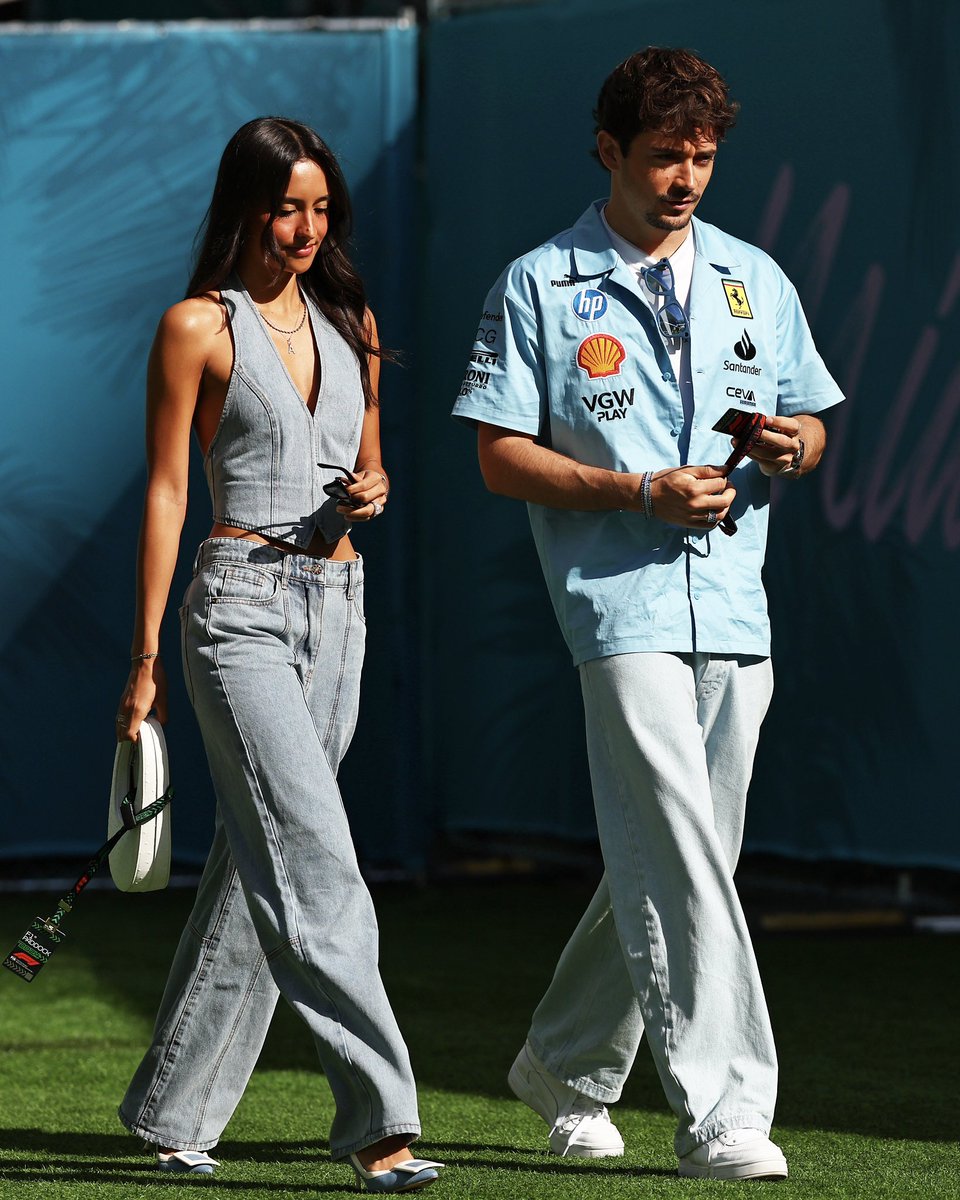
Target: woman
[(273, 361)]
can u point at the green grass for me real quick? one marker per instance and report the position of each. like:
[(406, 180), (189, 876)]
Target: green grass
[(866, 1026)]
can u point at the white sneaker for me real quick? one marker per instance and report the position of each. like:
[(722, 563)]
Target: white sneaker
[(736, 1154), (579, 1125)]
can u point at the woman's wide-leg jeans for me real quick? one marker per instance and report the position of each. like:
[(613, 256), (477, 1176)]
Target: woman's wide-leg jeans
[(272, 647)]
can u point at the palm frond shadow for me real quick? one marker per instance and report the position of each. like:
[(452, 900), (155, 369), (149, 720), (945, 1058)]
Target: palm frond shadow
[(139, 181), (76, 628), (36, 505), (124, 132)]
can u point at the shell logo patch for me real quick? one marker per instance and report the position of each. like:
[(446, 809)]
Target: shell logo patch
[(737, 300), (600, 355)]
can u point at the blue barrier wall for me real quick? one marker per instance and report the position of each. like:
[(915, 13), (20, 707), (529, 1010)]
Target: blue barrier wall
[(843, 166), (110, 146)]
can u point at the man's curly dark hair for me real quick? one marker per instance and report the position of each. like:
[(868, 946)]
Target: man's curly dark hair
[(666, 89)]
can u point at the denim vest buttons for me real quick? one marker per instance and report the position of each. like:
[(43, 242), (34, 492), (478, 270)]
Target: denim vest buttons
[(261, 465)]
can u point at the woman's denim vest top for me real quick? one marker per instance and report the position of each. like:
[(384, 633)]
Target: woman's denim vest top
[(261, 465)]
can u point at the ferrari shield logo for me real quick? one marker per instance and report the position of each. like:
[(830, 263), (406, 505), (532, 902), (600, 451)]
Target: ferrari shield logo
[(737, 300)]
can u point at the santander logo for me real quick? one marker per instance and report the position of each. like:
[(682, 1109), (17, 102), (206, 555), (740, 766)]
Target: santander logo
[(745, 348), (911, 477)]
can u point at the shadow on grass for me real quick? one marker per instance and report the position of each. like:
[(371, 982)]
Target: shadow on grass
[(536, 1162), (65, 1157), (855, 1057), (112, 1146), (115, 1148), (105, 1159), (23, 1175)]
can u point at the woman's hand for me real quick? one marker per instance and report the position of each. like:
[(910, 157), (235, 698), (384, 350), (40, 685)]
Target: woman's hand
[(372, 489), (146, 688)]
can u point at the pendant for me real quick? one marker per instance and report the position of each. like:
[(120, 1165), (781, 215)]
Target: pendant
[(290, 349)]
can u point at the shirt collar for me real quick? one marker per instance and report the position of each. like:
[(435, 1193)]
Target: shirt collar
[(593, 254)]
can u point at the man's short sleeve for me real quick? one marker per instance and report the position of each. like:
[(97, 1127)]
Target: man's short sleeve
[(505, 383), (804, 383)]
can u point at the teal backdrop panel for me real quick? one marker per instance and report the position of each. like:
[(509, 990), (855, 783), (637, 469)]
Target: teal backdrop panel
[(843, 166), (110, 143)]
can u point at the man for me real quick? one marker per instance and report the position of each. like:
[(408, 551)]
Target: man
[(603, 360)]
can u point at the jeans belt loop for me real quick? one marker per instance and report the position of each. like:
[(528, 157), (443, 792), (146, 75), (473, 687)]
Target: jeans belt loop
[(286, 561), (198, 560), (351, 577)]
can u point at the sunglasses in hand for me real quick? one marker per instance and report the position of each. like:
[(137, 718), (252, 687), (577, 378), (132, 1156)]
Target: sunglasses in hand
[(337, 488)]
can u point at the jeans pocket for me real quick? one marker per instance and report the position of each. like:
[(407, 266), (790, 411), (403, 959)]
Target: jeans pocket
[(237, 583), (244, 601)]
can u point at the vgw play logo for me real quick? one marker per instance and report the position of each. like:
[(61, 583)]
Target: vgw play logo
[(609, 406)]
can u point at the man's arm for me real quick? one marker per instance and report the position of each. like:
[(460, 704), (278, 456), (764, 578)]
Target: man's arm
[(514, 464), (802, 380)]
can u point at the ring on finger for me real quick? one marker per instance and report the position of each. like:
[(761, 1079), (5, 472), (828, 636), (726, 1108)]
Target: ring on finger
[(377, 508), (711, 518)]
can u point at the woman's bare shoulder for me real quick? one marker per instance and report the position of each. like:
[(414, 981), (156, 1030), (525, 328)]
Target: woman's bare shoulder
[(196, 319)]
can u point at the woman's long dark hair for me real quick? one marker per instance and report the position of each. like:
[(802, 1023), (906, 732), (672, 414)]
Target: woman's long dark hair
[(253, 177)]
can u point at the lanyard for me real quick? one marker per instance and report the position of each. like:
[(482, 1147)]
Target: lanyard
[(35, 945), (746, 429)]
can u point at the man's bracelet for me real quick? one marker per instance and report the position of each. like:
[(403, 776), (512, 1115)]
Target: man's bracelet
[(646, 499)]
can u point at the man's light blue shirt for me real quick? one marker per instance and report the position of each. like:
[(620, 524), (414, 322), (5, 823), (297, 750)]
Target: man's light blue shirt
[(568, 351)]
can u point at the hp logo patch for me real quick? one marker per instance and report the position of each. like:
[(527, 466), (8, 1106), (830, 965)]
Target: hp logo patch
[(590, 304)]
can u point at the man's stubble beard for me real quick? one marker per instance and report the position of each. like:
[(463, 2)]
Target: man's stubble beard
[(668, 224)]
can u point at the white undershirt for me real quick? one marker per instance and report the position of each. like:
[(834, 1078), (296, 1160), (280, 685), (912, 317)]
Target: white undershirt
[(681, 264)]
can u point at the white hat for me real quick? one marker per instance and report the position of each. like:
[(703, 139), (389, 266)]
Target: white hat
[(140, 862)]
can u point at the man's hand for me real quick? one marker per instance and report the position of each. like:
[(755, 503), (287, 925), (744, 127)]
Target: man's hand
[(693, 497), (779, 443), (514, 465)]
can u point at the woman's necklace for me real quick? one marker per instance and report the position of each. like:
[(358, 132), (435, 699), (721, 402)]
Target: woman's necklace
[(287, 333)]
